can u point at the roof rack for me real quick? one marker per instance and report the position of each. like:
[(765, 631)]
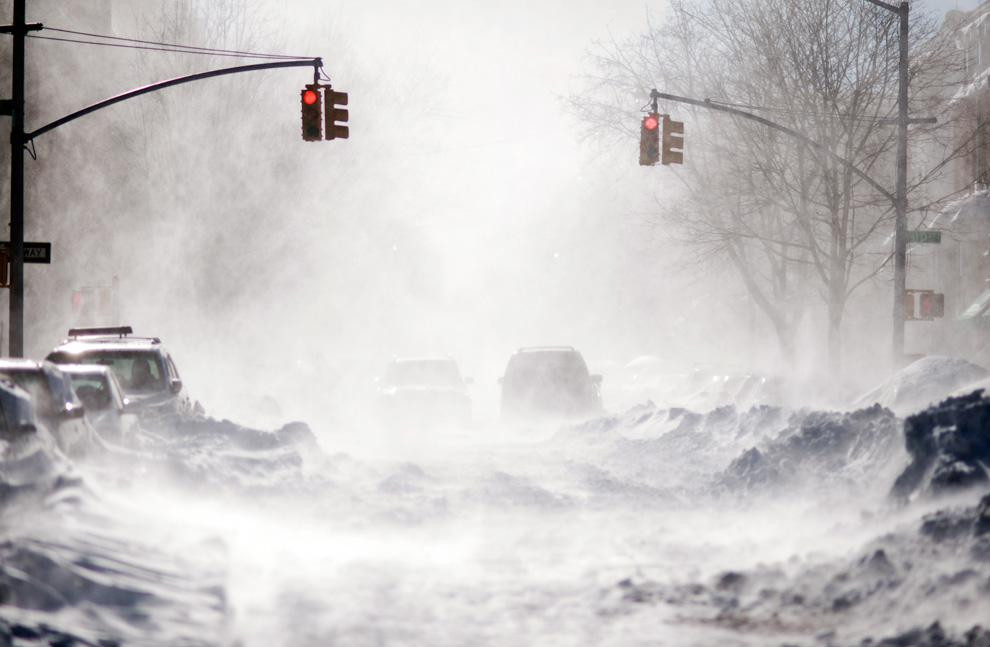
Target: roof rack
[(529, 348), (120, 331)]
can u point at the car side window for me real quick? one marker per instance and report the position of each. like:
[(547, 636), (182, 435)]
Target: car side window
[(173, 373)]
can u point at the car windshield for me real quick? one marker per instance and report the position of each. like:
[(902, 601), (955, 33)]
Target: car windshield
[(423, 373), (137, 371), (553, 367), (93, 390)]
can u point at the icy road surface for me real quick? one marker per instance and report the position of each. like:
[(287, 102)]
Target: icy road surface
[(659, 527)]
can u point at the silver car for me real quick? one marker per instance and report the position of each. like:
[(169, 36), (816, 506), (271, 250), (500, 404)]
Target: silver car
[(110, 413), (27, 451), (55, 403), (143, 367)]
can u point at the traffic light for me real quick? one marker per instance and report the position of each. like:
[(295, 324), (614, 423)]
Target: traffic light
[(673, 141), (336, 116), (649, 140), (312, 115)]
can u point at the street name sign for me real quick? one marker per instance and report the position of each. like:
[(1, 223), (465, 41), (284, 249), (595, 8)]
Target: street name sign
[(924, 236), (33, 252)]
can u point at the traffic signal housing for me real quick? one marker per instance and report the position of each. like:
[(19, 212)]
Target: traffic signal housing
[(931, 305), (336, 116), (673, 141), (312, 113), (649, 140)]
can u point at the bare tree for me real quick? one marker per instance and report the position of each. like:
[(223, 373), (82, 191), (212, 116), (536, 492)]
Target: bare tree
[(790, 219)]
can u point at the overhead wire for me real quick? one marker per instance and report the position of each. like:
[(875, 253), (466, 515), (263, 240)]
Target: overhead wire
[(157, 46)]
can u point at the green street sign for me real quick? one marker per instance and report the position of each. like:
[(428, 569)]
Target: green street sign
[(924, 236)]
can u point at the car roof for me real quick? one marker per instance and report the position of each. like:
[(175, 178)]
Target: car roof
[(418, 360), (58, 382), (73, 346), (19, 363), (525, 350)]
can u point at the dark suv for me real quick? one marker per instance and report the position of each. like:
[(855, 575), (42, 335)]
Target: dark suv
[(143, 367), (549, 382)]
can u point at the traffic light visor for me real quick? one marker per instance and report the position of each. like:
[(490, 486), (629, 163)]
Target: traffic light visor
[(309, 97), (651, 122)]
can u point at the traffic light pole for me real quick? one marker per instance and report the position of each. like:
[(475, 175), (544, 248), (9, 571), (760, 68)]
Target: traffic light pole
[(19, 139), (903, 11), (15, 345), (15, 109)]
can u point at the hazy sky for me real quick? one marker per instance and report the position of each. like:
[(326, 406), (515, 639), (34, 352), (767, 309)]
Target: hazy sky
[(465, 215)]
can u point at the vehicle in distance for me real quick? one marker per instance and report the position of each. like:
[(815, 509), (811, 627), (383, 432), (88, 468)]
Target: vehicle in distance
[(426, 391), (549, 382), (55, 403), (107, 409), (143, 367)]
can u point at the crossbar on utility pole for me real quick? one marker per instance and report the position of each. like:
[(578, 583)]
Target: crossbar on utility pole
[(315, 63), (711, 105)]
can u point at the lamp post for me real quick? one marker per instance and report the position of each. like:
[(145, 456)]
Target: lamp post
[(900, 192)]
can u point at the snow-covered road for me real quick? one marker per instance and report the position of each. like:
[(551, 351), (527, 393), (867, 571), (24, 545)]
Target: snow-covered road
[(658, 527)]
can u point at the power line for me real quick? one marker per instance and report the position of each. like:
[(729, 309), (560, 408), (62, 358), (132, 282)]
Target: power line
[(173, 45), (168, 49)]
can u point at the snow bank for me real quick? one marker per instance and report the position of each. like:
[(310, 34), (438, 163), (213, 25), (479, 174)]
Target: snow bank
[(821, 450), (924, 584), (923, 383), (949, 446)]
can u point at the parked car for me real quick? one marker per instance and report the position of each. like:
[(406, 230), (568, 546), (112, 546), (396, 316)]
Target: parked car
[(143, 367), (107, 409), (55, 403), (16, 412), (425, 391), (28, 453), (549, 382)]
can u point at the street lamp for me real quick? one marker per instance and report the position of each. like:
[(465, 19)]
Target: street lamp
[(900, 192)]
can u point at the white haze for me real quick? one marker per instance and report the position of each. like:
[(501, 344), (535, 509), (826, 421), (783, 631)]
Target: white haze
[(464, 216)]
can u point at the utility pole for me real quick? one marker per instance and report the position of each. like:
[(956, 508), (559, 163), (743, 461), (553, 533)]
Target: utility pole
[(900, 227), (18, 31), (900, 203)]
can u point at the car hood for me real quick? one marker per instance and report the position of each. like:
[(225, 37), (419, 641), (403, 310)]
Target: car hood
[(425, 391)]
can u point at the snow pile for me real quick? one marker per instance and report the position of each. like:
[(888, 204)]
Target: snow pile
[(821, 450), (667, 448), (32, 468), (927, 583), (949, 446), (225, 457), (923, 383)]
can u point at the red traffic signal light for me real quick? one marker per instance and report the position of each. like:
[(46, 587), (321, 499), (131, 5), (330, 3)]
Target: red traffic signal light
[(649, 140), (312, 114), (336, 117)]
